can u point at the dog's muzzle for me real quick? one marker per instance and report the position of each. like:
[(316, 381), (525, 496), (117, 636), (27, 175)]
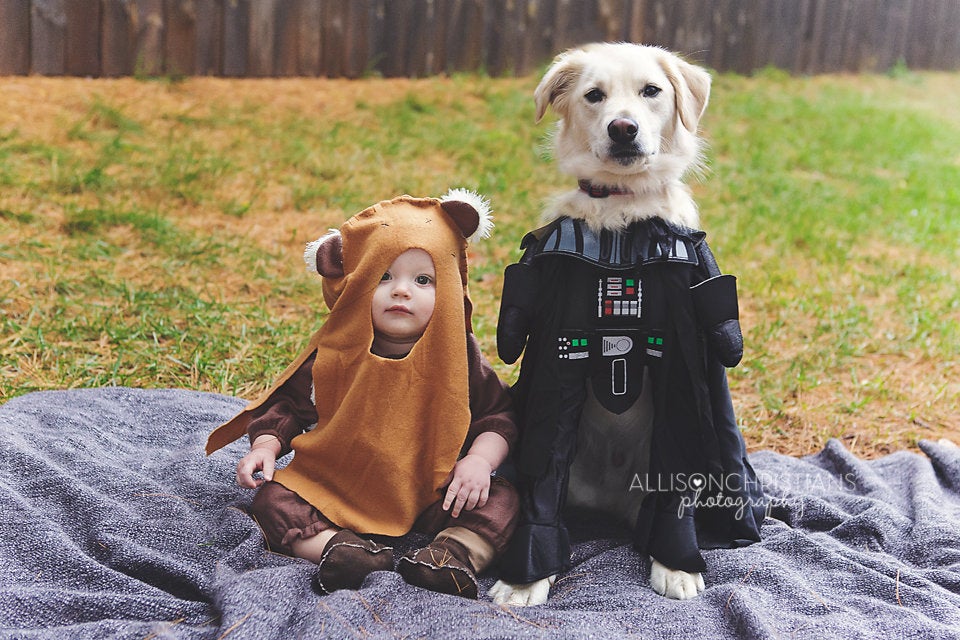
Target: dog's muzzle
[(623, 134), (623, 130)]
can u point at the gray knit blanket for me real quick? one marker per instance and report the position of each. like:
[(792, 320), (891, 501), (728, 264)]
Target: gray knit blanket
[(113, 524)]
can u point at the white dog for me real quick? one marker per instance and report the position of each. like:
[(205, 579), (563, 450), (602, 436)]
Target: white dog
[(627, 130), (629, 116)]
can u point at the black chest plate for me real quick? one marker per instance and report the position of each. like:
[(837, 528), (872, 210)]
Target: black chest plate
[(612, 307)]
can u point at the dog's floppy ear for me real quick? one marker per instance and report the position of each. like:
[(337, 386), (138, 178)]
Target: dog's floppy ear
[(469, 211), (691, 86), (557, 82), (325, 256)]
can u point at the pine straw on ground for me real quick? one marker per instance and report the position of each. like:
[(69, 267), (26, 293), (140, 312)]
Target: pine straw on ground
[(792, 392)]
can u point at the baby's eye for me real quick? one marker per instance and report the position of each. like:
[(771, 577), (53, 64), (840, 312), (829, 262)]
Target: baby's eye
[(423, 280), (386, 276)]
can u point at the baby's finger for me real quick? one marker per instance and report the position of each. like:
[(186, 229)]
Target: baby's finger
[(268, 467), (244, 478), (458, 505), (246, 481), (451, 494), (472, 500), (484, 496)]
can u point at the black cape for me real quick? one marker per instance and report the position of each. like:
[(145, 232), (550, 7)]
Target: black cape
[(569, 302)]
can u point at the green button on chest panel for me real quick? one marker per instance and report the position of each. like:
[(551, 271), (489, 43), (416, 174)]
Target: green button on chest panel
[(655, 346)]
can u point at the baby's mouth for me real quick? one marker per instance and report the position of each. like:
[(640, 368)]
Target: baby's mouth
[(399, 308)]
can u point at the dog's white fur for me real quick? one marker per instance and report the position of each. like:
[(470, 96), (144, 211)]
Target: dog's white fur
[(589, 88), (667, 145)]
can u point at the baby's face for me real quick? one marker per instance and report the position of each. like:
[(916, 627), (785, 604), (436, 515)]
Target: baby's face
[(403, 303)]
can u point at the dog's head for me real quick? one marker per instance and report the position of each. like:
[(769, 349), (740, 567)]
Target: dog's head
[(628, 113)]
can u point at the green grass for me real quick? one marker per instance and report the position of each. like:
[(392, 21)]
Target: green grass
[(150, 233)]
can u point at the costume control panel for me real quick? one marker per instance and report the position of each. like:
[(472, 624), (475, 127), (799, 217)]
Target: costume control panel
[(619, 297), (573, 347)]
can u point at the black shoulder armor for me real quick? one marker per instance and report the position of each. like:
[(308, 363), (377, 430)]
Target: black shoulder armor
[(644, 241)]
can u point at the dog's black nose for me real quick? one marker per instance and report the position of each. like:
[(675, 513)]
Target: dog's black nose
[(622, 130)]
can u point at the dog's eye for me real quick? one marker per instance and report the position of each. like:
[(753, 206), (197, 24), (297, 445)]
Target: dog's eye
[(651, 91), (594, 96)]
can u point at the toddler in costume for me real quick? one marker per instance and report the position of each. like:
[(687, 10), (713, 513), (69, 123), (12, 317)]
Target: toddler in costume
[(410, 419)]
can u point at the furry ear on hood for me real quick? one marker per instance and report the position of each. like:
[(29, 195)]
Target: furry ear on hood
[(325, 255), (469, 211)]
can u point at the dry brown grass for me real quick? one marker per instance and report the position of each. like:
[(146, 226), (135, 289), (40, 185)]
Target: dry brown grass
[(834, 349)]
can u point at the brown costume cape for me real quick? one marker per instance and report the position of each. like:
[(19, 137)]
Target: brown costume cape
[(388, 431)]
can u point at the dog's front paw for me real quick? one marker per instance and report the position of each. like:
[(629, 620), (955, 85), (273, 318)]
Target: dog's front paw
[(675, 584), (522, 595)]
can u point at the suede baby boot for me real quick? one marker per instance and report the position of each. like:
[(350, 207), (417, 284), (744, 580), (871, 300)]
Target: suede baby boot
[(443, 566), (347, 560)]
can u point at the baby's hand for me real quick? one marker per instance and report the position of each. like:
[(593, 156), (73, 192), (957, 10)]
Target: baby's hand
[(262, 457), (470, 486)]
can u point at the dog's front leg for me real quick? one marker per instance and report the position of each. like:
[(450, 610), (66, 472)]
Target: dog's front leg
[(673, 583), (522, 595)]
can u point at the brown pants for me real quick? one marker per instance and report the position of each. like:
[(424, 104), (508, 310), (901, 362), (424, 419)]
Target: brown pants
[(284, 517)]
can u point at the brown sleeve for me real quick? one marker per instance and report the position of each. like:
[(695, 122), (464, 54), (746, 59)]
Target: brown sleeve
[(288, 411), (491, 408)]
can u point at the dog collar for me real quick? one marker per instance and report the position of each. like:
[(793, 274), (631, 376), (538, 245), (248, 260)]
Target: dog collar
[(602, 191)]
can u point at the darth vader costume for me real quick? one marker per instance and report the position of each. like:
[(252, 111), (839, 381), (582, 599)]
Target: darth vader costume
[(622, 394)]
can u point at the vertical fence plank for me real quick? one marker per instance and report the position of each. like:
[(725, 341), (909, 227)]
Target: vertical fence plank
[(236, 37), (576, 23), (397, 14), (179, 37), (635, 21), (716, 48), (262, 44), (778, 43), (658, 18), (308, 38), (419, 26), (421, 29), (150, 37), (333, 38), (287, 46), (517, 33), (611, 21), (118, 41), (499, 36), (887, 40), (851, 55), (939, 36), (359, 24), (695, 36), (378, 31), (950, 27), (14, 37), (892, 45), (48, 24), (82, 46), (814, 26), (731, 38), (465, 36), (832, 43), (539, 47), (439, 42), (916, 43), (208, 40)]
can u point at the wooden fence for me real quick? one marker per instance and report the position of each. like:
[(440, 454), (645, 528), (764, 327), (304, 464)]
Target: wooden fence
[(352, 38)]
